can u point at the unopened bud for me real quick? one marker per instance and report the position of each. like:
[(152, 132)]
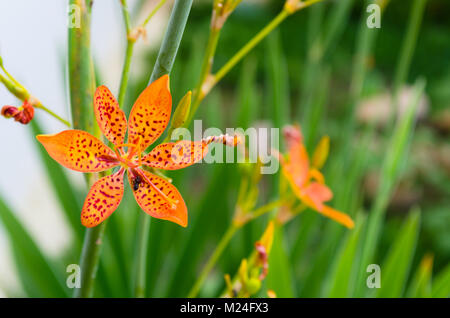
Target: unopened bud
[(321, 153), (23, 115), (253, 285), (9, 111), (182, 111)]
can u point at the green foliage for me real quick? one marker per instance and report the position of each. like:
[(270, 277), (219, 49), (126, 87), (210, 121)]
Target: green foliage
[(316, 68)]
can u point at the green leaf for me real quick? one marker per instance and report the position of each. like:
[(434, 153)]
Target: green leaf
[(441, 284), (421, 283), (340, 278), (279, 278), (395, 268), (392, 164), (37, 275)]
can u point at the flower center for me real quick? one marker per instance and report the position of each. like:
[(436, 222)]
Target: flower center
[(127, 159)]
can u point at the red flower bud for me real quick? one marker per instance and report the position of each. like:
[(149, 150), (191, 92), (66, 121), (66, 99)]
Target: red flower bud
[(23, 115), (9, 111)]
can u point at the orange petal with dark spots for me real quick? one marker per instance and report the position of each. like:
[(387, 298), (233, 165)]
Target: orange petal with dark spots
[(110, 118), (150, 114), (103, 199), (79, 151), (176, 155), (157, 205)]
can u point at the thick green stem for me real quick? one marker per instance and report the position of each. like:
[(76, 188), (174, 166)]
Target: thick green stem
[(226, 238), (82, 87), (81, 75), (89, 260), (163, 65), (141, 268)]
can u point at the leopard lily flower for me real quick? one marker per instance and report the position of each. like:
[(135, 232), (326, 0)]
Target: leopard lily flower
[(80, 151), (307, 183)]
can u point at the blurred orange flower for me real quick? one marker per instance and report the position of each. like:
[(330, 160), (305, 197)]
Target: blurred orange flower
[(80, 151), (306, 181)]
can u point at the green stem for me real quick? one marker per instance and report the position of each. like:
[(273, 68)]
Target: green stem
[(237, 58), (89, 260), (40, 106), (125, 72), (158, 6), (408, 48), (82, 87), (141, 269), (210, 81), (224, 242), (172, 39), (266, 208), (163, 65), (128, 54), (213, 259), (131, 40)]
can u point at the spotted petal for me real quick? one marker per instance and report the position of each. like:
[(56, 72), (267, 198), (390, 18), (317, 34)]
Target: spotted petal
[(110, 118), (176, 155), (156, 204), (103, 199), (150, 113), (79, 151)]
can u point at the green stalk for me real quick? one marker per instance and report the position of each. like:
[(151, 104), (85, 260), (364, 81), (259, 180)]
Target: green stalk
[(399, 139), (172, 39), (131, 40), (82, 87), (238, 57), (389, 176), (163, 65), (214, 79), (81, 75), (226, 238), (90, 256), (128, 54), (408, 47), (223, 243)]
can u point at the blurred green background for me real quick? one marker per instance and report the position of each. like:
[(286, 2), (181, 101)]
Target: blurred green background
[(324, 69)]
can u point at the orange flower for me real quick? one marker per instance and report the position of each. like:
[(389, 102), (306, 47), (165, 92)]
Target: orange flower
[(80, 151), (23, 114), (307, 182)]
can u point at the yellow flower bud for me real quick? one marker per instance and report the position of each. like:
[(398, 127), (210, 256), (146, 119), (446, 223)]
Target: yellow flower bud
[(321, 153), (182, 111), (253, 285)]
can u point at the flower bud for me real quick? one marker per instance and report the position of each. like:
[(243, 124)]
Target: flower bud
[(23, 115), (182, 111), (253, 285), (9, 111), (321, 153)]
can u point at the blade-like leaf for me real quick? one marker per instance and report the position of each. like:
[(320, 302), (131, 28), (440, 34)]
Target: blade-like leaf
[(279, 278), (395, 268), (38, 277), (340, 278), (441, 284)]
